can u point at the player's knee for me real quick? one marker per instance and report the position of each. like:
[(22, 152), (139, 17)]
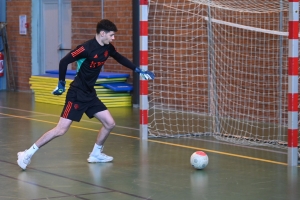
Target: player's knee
[(61, 131), (110, 125)]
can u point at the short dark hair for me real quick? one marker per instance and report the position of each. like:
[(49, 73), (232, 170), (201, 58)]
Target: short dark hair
[(106, 25)]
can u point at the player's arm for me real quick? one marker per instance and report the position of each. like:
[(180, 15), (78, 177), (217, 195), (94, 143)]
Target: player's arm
[(148, 75), (71, 57), (124, 61)]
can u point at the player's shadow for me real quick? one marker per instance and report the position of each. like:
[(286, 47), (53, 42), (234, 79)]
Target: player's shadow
[(100, 171)]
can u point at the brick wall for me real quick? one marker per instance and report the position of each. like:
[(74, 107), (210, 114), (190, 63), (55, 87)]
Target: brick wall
[(85, 15), (120, 12), (20, 45)]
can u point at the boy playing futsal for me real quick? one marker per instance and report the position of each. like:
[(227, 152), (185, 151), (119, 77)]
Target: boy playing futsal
[(81, 96)]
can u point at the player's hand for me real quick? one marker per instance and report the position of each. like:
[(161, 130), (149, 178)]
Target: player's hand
[(60, 88), (147, 75)]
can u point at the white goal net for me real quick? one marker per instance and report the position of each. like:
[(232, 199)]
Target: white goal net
[(221, 68)]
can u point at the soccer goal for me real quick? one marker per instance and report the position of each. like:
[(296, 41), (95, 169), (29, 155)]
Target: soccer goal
[(222, 70)]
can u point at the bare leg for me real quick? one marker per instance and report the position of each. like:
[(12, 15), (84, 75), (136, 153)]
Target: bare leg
[(108, 124), (61, 128)]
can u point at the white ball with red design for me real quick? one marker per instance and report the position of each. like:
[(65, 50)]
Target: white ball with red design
[(199, 160)]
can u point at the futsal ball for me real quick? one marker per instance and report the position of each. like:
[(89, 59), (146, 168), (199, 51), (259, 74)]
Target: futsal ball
[(199, 160)]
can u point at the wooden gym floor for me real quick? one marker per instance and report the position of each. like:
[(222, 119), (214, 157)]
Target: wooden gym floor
[(157, 169)]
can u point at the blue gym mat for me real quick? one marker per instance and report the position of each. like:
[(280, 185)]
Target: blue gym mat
[(101, 75), (118, 87)]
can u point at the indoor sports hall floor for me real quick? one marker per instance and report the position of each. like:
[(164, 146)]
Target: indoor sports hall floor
[(158, 169)]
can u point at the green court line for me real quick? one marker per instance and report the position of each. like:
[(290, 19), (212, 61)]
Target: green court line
[(160, 142)]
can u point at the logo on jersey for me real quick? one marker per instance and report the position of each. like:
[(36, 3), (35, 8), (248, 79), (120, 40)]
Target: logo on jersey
[(96, 56), (78, 51), (96, 64), (106, 53)]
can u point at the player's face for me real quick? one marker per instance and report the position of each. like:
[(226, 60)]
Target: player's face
[(108, 37)]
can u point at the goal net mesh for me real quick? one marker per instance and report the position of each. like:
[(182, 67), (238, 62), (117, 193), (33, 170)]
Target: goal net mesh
[(221, 68)]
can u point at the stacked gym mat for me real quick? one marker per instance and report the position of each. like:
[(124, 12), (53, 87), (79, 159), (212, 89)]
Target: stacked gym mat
[(111, 88)]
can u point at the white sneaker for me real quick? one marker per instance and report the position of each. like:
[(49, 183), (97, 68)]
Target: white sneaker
[(23, 159), (100, 158)]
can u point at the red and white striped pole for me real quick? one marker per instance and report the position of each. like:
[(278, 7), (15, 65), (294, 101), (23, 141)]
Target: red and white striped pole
[(293, 83), (144, 104)]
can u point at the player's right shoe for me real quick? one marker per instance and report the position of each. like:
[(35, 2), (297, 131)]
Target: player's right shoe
[(100, 158), (23, 159)]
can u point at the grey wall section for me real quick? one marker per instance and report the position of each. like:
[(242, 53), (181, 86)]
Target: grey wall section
[(2, 19), (2, 10)]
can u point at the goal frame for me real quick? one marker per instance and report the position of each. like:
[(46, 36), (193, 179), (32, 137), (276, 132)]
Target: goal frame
[(293, 57)]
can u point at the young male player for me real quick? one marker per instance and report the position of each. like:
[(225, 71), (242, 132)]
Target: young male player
[(81, 96)]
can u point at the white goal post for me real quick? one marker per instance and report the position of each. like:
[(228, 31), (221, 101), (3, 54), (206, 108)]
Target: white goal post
[(222, 69)]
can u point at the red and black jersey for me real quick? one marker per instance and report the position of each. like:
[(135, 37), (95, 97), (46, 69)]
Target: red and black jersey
[(90, 57)]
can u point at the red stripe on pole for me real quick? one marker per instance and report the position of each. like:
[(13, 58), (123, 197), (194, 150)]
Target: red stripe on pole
[(143, 2), (143, 87), (293, 71), (293, 138), (293, 102), (143, 28), (143, 61), (143, 117), (293, 29), (143, 57), (293, 66)]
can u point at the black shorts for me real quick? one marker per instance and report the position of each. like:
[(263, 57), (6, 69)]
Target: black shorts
[(78, 103)]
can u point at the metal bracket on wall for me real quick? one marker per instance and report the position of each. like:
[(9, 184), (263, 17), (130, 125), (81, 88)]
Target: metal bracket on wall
[(11, 85)]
